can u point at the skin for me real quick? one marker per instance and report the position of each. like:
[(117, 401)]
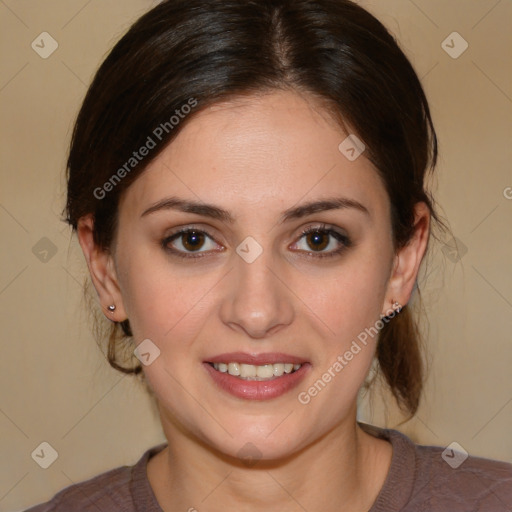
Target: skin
[(257, 157)]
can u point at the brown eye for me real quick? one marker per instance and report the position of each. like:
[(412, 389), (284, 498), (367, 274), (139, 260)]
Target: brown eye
[(186, 242), (192, 240), (317, 240)]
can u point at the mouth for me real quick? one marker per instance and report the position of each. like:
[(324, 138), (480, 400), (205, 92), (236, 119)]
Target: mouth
[(256, 377), (260, 373)]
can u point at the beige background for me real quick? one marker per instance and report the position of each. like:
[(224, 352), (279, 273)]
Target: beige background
[(55, 385)]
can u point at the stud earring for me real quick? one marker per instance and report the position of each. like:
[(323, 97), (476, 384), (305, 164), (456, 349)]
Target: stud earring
[(112, 308), (396, 307)]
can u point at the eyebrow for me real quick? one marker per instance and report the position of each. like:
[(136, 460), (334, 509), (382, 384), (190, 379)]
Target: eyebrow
[(214, 212)]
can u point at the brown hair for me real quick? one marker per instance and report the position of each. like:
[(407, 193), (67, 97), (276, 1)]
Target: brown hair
[(205, 51)]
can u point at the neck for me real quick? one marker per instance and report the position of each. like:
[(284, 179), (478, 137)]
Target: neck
[(343, 470)]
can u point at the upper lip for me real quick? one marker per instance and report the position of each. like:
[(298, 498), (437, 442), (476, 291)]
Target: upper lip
[(256, 359)]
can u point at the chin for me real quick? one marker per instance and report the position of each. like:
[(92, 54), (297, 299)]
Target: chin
[(259, 438), (249, 449)]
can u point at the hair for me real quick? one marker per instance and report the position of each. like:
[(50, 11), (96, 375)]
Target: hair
[(200, 52)]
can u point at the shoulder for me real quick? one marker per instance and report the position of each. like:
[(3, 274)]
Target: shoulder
[(108, 491), (456, 479), (425, 478), (112, 490)]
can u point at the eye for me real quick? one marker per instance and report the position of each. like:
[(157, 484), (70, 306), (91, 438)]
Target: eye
[(319, 238), (195, 243), (186, 242)]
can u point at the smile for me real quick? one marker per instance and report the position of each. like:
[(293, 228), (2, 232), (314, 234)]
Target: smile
[(256, 372), (256, 377)]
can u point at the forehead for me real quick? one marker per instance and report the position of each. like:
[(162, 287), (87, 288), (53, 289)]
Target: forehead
[(268, 150)]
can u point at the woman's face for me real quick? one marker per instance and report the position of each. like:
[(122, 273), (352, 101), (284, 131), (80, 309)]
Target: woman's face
[(249, 286)]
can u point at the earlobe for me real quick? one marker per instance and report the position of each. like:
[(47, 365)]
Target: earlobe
[(102, 270), (408, 259)]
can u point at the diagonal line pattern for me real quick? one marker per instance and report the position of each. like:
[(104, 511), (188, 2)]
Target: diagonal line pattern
[(301, 300), (492, 81), (286, 491), (71, 71), (12, 488), (14, 76), (13, 13), (198, 402), (83, 494), (425, 425), (310, 189), (485, 218), (491, 491), (420, 490), (501, 408), (72, 276), (486, 14), (13, 279), (494, 288), (216, 487), (198, 301), (178, 178), (428, 72), (95, 405), (14, 423), (14, 218), (424, 14), (75, 15), (280, 423)]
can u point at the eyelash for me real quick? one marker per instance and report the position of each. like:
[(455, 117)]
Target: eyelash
[(322, 229)]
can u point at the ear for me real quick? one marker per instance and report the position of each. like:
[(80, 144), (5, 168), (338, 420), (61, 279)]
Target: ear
[(101, 267), (408, 260)]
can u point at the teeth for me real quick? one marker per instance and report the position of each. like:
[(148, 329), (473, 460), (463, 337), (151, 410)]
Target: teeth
[(233, 368), (278, 369), (265, 372), (247, 370), (253, 372)]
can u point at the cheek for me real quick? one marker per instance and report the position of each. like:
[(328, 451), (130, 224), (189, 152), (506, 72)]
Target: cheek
[(350, 306), (163, 302), (349, 299)]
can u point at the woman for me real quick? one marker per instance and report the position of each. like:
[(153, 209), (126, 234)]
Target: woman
[(247, 183)]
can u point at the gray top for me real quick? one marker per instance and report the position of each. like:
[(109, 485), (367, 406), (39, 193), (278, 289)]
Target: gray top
[(419, 480)]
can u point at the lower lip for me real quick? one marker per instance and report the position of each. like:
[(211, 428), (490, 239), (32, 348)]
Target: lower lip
[(257, 389)]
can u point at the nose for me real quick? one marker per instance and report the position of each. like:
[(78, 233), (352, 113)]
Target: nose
[(257, 301)]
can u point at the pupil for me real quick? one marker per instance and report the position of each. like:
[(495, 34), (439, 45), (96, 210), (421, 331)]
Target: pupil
[(193, 240), (317, 239)]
